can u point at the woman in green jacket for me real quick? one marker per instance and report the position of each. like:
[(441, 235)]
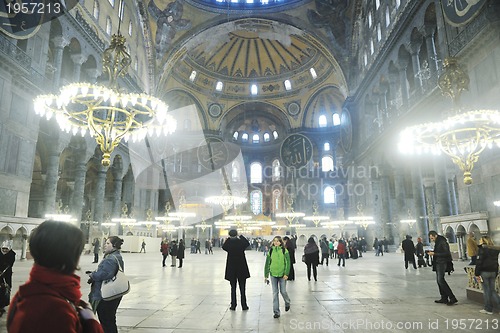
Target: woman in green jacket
[(278, 266)]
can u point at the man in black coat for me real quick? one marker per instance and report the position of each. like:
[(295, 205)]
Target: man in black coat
[(409, 249), (236, 266), (441, 260)]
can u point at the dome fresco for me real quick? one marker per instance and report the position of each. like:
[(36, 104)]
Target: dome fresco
[(254, 51)]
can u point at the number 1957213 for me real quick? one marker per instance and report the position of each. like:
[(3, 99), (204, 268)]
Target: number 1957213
[(33, 8)]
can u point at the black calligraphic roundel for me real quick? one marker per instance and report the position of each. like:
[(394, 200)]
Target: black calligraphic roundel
[(21, 19), (212, 154), (460, 12), (296, 151)]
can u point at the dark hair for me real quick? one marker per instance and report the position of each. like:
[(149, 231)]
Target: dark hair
[(57, 245), (433, 233), (286, 238), (311, 240), (233, 233), (116, 242)]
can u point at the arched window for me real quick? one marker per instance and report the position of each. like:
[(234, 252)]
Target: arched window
[(219, 86), (326, 146), (276, 200), (255, 138), (372, 48), (130, 28), (326, 163), (267, 137), (369, 20), (275, 135), (121, 10), (192, 76), (256, 202), (109, 26), (288, 85), (235, 135), (276, 170), (256, 173), (253, 89), (336, 119), (379, 33), (387, 16), (329, 195), (187, 124), (112, 3), (96, 10), (322, 121), (244, 137), (313, 73), (235, 171), (377, 4), (365, 59), (398, 3)]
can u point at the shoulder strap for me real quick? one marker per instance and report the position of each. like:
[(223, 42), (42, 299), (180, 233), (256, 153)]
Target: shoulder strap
[(270, 251), (118, 262)]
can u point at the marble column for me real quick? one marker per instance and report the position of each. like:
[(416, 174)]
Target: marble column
[(443, 201), (24, 248), (59, 43), (419, 201), (430, 204), (92, 74), (117, 191), (52, 175), (414, 49), (403, 81), (79, 189), (399, 188), (78, 60), (99, 193), (385, 208), (453, 197), (128, 190), (432, 58)]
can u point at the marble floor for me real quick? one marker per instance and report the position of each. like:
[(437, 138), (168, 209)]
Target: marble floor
[(370, 294)]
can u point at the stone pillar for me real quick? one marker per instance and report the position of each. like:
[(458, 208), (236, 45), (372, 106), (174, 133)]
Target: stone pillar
[(24, 247), (117, 190), (419, 201), (93, 74), (78, 60), (79, 190), (52, 175), (432, 58), (414, 49), (99, 193), (453, 197), (399, 188), (430, 203), (403, 81), (128, 191), (385, 208), (443, 202), (59, 43)]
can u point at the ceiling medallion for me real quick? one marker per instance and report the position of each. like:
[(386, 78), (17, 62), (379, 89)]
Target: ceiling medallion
[(293, 109), (215, 110)]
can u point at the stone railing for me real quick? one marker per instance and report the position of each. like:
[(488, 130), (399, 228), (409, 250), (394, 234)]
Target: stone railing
[(475, 289)]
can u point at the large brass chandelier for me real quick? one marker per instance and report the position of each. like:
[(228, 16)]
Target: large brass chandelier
[(109, 113), (464, 135)]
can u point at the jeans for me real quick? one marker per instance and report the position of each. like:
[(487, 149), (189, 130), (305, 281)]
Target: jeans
[(164, 257), (275, 281), (241, 283), (180, 262), (489, 293), (444, 288), (341, 257), (323, 257), (315, 272), (106, 310)]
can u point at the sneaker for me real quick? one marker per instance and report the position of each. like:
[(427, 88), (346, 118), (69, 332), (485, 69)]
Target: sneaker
[(287, 307), (442, 300), (486, 311), (276, 315)]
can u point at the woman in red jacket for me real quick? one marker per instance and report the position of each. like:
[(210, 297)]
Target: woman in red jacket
[(51, 297), (341, 250)]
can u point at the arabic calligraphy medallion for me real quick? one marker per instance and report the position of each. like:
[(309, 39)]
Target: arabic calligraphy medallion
[(460, 12), (212, 153), (296, 151)]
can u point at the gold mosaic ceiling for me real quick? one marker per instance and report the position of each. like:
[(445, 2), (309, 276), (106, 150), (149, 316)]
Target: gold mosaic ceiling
[(254, 51)]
